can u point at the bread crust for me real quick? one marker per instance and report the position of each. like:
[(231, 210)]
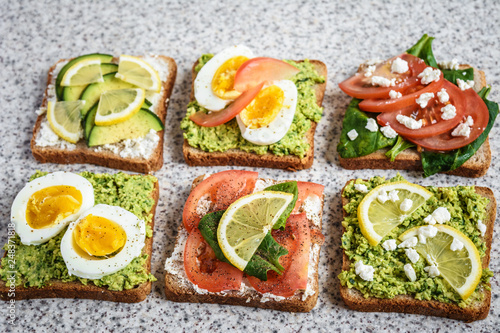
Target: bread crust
[(407, 304), (75, 289), (83, 154), (197, 157)]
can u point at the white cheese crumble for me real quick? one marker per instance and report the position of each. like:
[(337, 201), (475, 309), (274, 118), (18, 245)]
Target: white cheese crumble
[(369, 70), (450, 64), (439, 215), (410, 272), (382, 196), (261, 184), (141, 147), (389, 245), (371, 62), (393, 94), (352, 134), (409, 122), (312, 207), (406, 205), (393, 195), (399, 66), (371, 125), (410, 242), (463, 129), (481, 227), (456, 245), (423, 99), (203, 205), (412, 255), (432, 270), (382, 81), (449, 112), (388, 132), (361, 188), (48, 138), (428, 231), (429, 75), (443, 96), (364, 271), (464, 85)]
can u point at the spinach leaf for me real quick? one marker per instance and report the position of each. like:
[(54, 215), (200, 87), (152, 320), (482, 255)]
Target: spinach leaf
[(440, 162), (367, 142), (208, 227), (453, 74), (423, 50), (288, 187), (400, 145)]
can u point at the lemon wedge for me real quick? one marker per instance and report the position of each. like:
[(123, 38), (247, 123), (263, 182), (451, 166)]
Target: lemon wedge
[(138, 72), (247, 221), (386, 206), (455, 256), (118, 105), (83, 72), (65, 120)]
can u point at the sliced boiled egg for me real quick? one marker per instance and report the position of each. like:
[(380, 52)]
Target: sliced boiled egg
[(47, 204), (268, 117), (213, 86), (102, 241)]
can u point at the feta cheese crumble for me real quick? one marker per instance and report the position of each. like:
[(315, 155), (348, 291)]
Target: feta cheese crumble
[(450, 64), (423, 99), (352, 134), (439, 215), (463, 129), (388, 132), (399, 66), (393, 94), (481, 227), (432, 270), (406, 205), (410, 242), (393, 195), (361, 188), (449, 112), (456, 245), (383, 82), (389, 245), (382, 196), (410, 272), (429, 75), (369, 70), (364, 271), (409, 122), (443, 96), (464, 85), (371, 125), (412, 255), (426, 232)]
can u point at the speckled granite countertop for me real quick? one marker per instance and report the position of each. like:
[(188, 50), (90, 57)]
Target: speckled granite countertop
[(35, 35)]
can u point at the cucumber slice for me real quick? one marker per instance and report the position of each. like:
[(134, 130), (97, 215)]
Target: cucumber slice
[(74, 93), (135, 127), (59, 90)]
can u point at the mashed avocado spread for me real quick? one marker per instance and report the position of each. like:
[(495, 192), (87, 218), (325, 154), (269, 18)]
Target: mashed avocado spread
[(228, 136), (35, 265), (466, 208)]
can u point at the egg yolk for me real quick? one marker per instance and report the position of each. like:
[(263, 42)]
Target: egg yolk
[(264, 108), (51, 205), (99, 236), (223, 80)]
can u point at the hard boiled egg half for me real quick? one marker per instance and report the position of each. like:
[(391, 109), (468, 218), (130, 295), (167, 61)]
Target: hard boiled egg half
[(47, 204), (102, 241), (213, 86)]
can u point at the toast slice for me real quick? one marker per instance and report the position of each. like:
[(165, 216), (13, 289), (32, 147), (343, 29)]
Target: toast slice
[(75, 289), (197, 157), (407, 304), (409, 159), (179, 289), (66, 153)]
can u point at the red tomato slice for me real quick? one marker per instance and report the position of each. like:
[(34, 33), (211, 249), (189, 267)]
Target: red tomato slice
[(216, 118), (432, 124), (222, 188), (205, 270), (359, 86), (477, 109), (305, 190), (296, 239), (259, 70)]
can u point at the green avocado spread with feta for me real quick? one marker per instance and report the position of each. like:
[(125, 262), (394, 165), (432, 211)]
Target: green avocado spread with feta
[(36, 265), (389, 280), (228, 136)]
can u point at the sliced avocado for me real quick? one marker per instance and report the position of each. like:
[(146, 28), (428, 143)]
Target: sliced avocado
[(93, 92), (137, 126), (89, 121), (59, 90), (74, 93)]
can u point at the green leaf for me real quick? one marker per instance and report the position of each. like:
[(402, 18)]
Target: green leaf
[(288, 187), (463, 74), (423, 50), (208, 227), (367, 142), (400, 145)]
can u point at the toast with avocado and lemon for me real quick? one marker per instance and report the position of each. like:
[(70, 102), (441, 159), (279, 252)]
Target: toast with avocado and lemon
[(413, 249), (275, 263), (411, 113), (62, 246), (253, 111), (107, 111)]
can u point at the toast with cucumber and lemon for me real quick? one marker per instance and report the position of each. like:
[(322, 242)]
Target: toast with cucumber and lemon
[(413, 249), (248, 241), (253, 111), (107, 111), (81, 236)]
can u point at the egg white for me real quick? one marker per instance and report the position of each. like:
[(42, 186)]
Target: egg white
[(203, 82), (279, 126), (83, 265), (30, 236)]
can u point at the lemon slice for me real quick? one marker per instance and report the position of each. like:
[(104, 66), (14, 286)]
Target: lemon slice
[(381, 210), (65, 120), (83, 72), (247, 221), (136, 71), (460, 268), (118, 105)]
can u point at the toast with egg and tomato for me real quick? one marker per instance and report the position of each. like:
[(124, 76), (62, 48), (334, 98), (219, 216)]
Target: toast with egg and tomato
[(281, 274), (253, 111), (81, 236), (410, 113)]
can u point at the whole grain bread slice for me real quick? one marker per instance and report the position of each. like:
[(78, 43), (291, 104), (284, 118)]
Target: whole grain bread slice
[(477, 310), (75, 289), (409, 159), (83, 154), (197, 157), (179, 289)]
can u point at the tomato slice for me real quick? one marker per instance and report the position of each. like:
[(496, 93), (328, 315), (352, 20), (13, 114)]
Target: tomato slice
[(204, 269), (216, 118), (432, 124), (296, 239), (307, 189), (222, 188), (258, 70), (477, 109), (359, 86)]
